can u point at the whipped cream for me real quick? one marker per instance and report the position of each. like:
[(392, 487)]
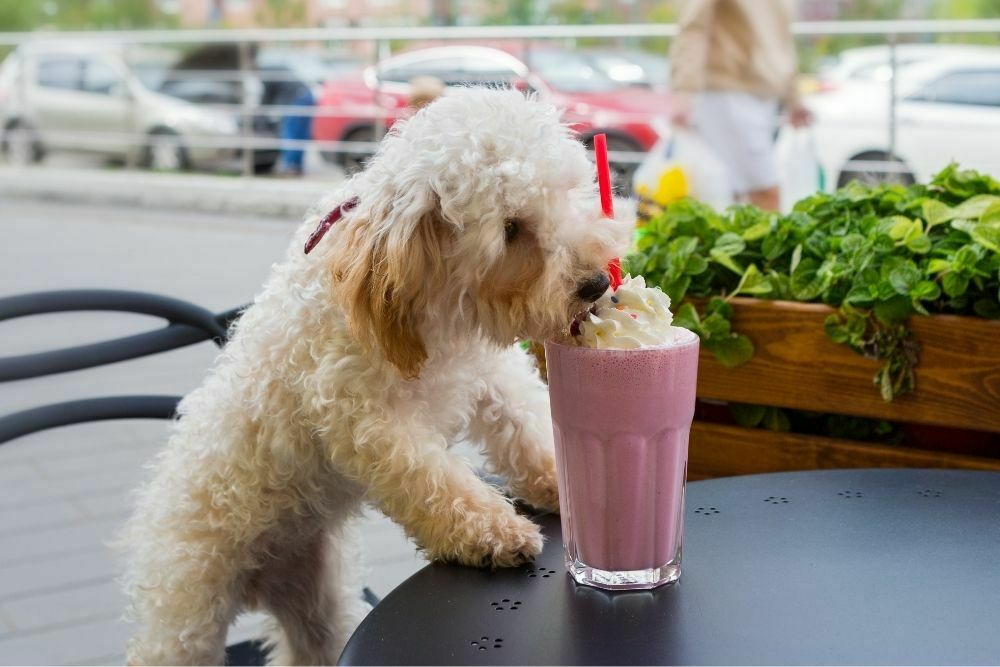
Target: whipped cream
[(632, 317)]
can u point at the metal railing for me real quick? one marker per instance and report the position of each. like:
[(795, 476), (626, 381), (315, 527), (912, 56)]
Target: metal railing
[(243, 144)]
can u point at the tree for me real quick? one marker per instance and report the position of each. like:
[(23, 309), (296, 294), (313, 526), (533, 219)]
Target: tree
[(515, 12), (23, 15), (282, 13), (967, 9), (18, 16)]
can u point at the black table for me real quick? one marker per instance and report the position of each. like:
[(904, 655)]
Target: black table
[(829, 567)]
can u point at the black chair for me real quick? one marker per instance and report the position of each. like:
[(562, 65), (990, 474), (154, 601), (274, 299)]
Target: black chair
[(187, 324)]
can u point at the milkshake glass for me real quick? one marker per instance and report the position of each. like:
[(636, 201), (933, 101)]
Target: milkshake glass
[(621, 419)]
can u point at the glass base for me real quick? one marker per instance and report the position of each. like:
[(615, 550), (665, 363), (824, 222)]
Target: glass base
[(624, 580)]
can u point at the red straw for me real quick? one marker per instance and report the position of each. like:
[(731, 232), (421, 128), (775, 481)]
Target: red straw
[(607, 203)]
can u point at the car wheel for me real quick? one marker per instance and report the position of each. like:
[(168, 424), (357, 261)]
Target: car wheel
[(621, 172), (355, 160), (20, 145), (165, 151), (265, 162), (876, 176)]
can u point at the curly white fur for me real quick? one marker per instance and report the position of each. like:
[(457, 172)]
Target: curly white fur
[(353, 372)]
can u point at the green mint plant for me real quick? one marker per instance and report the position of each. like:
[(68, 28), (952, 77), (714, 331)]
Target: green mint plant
[(879, 254)]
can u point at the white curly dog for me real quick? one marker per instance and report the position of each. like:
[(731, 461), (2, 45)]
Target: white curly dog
[(358, 365)]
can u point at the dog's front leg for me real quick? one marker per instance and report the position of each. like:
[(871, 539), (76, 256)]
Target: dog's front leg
[(515, 426), (435, 496)]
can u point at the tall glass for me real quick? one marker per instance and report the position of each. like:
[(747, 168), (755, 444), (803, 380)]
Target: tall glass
[(622, 420)]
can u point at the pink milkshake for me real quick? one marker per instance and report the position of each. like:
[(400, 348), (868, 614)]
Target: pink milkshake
[(622, 394)]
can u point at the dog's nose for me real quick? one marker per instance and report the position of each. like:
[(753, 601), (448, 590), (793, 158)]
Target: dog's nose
[(593, 287)]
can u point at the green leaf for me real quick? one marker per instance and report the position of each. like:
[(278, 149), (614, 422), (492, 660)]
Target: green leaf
[(859, 294), (757, 231), (716, 326), (926, 290), (729, 244), (816, 243), (987, 235), (635, 264), (896, 309), (677, 289), (796, 258), (835, 330), (900, 227), (963, 225), (904, 277), (991, 215), (966, 258), (719, 306), (753, 282), (988, 308), (938, 265), (954, 284), (726, 261), (806, 284), (747, 415), (884, 380), (852, 244), (773, 246), (936, 213), (775, 419), (974, 207), (919, 244), (687, 317), (732, 351), (682, 246), (696, 265)]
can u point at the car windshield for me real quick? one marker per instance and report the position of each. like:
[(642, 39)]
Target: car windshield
[(569, 73), (150, 74), (307, 66)]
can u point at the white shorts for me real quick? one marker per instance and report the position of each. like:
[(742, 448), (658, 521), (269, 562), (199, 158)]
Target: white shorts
[(740, 127)]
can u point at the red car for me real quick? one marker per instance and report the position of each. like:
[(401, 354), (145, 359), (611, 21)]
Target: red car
[(633, 118)]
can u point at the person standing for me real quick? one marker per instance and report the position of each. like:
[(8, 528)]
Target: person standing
[(295, 127), (424, 90), (733, 64)]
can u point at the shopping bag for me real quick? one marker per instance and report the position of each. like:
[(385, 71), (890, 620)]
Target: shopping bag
[(800, 174), (682, 165)]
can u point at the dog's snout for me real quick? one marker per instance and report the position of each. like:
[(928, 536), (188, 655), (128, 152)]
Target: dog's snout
[(593, 287)]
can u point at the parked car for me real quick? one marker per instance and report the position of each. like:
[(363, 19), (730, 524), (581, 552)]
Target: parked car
[(311, 67), (89, 98), (210, 75), (872, 63), (632, 118), (948, 108), (629, 67)]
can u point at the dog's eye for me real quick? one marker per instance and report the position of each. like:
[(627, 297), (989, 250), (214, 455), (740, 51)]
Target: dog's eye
[(510, 229)]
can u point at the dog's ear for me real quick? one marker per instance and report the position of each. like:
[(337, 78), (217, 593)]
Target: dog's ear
[(393, 258)]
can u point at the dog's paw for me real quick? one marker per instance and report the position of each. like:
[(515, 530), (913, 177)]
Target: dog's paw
[(510, 542), (503, 540), (540, 490)]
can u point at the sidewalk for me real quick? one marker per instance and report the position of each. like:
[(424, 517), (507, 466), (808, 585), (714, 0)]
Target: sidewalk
[(232, 195)]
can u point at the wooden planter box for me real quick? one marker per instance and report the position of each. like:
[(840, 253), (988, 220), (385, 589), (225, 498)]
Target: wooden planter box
[(797, 366)]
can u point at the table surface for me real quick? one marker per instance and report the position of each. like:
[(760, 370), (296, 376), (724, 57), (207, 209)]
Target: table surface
[(825, 567)]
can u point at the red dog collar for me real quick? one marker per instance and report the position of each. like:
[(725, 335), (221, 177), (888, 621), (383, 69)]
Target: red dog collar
[(328, 220)]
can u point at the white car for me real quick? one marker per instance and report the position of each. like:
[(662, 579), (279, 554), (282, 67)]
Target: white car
[(80, 97), (871, 63), (947, 109)]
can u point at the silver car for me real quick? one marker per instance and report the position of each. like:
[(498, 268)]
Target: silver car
[(92, 99)]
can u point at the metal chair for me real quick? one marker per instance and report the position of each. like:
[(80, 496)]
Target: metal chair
[(187, 324)]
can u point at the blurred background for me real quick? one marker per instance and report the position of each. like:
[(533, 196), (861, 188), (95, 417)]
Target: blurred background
[(174, 98), (171, 146)]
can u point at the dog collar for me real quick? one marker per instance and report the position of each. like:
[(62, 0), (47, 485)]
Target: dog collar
[(328, 220)]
